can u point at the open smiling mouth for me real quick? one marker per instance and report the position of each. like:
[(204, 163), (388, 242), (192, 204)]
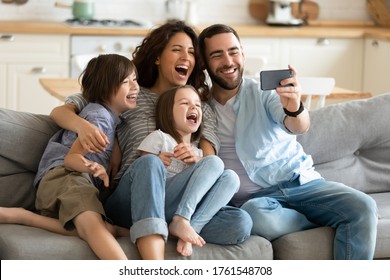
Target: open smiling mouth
[(131, 97), (182, 69), (193, 117)]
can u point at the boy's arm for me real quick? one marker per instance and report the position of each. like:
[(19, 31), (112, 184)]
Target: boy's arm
[(91, 138), (75, 160)]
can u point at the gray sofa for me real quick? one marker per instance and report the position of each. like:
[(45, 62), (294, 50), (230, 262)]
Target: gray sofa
[(350, 143)]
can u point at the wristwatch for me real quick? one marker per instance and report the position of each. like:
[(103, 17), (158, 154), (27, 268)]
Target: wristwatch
[(296, 113)]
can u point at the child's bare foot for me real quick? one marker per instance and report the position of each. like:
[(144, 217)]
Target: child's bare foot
[(181, 228), (12, 215), (184, 248)]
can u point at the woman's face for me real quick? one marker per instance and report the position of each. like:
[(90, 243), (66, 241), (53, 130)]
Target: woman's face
[(176, 62)]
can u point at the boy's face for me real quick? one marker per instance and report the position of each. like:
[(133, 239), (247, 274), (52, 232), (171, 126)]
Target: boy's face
[(225, 60), (126, 96), (187, 112)]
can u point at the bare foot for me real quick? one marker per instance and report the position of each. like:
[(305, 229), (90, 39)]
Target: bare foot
[(184, 248), (13, 215), (181, 228)]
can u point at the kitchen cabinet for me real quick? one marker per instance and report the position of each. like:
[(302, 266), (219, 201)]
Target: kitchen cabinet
[(24, 59), (339, 58), (261, 54), (376, 63)]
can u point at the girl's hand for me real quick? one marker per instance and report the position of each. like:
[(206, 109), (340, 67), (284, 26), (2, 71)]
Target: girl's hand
[(166, 158), (186, 153), (98, 170)]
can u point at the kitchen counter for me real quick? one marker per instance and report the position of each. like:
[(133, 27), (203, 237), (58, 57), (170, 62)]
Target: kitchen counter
[(61, 88), (340, 29)]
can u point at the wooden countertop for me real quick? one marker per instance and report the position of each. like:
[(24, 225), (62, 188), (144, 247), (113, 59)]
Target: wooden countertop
[(61, 88), (330, 29)]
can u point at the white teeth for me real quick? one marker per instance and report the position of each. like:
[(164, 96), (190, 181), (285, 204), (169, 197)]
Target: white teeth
[(182, 67), (192, 117), (229, 71)]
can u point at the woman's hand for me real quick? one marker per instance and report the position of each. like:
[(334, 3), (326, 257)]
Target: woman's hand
[(186, 153), (92, 138)]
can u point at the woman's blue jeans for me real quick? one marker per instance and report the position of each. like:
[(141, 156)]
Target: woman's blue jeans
[(290, 207), (141, 198)]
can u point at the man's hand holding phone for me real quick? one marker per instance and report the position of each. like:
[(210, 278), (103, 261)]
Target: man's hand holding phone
[(271, 79)]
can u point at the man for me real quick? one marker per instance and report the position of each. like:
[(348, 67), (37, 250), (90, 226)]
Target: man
[(279, 187)]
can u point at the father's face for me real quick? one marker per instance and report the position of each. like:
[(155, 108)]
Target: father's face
[(225, 60)]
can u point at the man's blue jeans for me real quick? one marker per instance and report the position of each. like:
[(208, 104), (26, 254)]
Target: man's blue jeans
[(290, 207), (139, 201)]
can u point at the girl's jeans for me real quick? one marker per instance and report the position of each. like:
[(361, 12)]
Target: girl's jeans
[(143, 196)]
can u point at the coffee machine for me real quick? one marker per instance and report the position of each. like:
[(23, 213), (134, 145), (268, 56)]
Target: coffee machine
[(280, 13)]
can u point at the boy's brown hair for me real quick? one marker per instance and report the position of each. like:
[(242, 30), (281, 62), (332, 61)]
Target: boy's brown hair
[(103, 76)]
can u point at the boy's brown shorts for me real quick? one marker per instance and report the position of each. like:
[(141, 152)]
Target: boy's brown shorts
[(64, 194)]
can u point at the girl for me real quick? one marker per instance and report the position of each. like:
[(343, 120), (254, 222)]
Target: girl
[(195, 192)]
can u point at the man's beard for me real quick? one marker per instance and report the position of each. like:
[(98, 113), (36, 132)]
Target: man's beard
[(226, 84)]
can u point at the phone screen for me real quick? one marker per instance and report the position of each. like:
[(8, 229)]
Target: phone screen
[(270, 79)]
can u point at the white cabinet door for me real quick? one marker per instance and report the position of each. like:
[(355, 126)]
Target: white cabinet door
[(24, 90), (25, 58), (260, 54), (376, 64), (341, 59)]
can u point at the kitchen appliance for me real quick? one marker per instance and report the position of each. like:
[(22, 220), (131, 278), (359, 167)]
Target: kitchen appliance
[(81, 9), (107, 23), (280, 13), (84, 48)]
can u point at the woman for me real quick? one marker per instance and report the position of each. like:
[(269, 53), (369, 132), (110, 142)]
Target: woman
[(167, 57)]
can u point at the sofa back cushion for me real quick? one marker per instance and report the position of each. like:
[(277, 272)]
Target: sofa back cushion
[(23, 139), (350, 143)]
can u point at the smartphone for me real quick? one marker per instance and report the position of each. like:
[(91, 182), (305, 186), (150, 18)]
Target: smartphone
[(270, 79)]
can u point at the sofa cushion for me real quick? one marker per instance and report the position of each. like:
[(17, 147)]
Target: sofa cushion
[(22, 242), (317, 243), (350, 143), (312, 244), (382, 247), (23, 139)]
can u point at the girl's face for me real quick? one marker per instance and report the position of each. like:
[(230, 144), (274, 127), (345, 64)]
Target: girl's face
[(126, 96), (187, 112), (176, 62)]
